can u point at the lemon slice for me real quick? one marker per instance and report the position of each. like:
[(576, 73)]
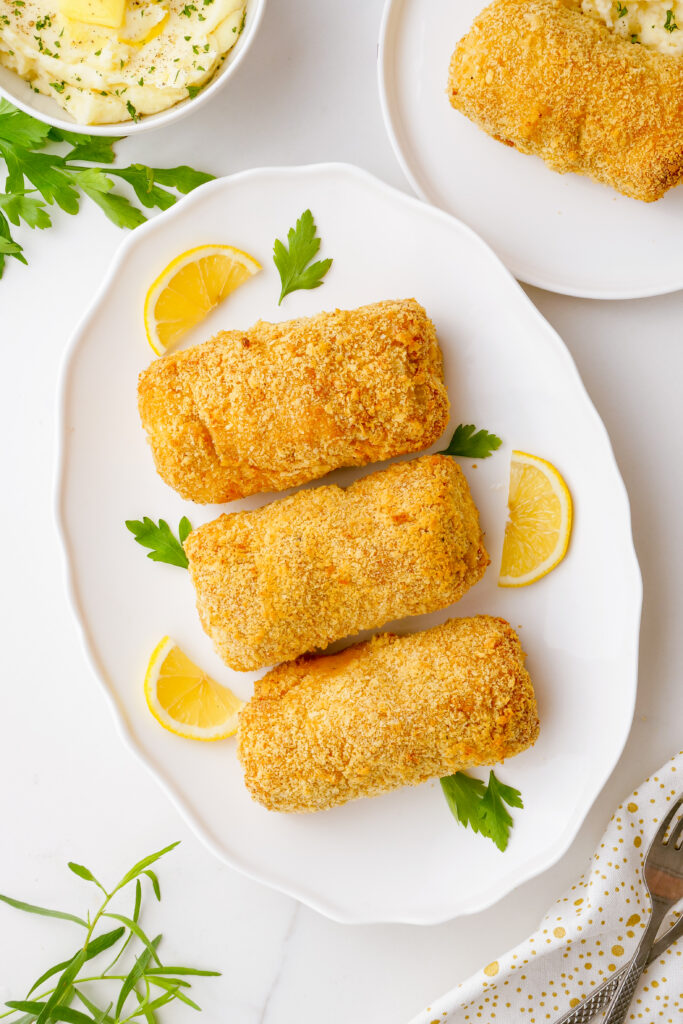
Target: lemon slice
[(185, 700), (539, 524), (189, 288)]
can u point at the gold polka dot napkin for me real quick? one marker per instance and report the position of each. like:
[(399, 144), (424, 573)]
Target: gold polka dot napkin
[(588, 934)]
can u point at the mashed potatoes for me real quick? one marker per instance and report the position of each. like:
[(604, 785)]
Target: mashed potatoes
[(657, 25), (164, 52)]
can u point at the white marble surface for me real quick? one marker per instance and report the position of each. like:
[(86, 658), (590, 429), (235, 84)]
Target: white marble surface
[(68, 788)]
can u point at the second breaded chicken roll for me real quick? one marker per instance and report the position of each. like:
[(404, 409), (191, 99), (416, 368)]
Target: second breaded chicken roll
[(325, 563), (392, 712), (544, 77), (281, 404)]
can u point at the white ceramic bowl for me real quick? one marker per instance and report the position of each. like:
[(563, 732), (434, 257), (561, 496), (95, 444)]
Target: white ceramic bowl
[(19, 92)]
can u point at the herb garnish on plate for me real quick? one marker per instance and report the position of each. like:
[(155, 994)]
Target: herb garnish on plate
[(481, 805), (470, 445), (166, 547), (294, 263)]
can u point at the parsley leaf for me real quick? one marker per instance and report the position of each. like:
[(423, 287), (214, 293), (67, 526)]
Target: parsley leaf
[(293, 262), (18, 206), (670, 23), (184, 179), (470, 445), (166, 547), (146, 182), (94, 149), (20, 128), (60, 180), (98, 187), (495, 820), (464, 795), (482, 806), (8, 247)]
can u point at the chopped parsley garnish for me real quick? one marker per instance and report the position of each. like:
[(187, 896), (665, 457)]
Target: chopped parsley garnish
[(670, 25), (58, 86), (192, 90), (132, 111), (622, 10)]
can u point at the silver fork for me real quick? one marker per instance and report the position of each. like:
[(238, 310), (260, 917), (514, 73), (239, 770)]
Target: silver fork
[(663, 873), (600, 997)]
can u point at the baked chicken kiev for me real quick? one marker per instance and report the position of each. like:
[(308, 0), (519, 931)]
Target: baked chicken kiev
[(325, 563), (392, 712), (552, 78), (281, 404)]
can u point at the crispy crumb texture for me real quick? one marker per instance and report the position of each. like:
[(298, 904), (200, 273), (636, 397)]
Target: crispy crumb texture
[(325, 563), (392, 712), (281, 404), (551, 81)]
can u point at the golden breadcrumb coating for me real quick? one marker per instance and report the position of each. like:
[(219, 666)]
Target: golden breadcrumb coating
[(281, 404), (392, 712), (325, 563), (546, 78)]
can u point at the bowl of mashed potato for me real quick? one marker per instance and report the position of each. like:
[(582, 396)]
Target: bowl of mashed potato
[(117, 67)]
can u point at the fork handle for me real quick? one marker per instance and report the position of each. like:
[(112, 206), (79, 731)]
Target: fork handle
[(621, 1000)]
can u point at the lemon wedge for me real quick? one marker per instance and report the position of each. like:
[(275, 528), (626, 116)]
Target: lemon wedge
[(185, 700), (539, 521), (190, 287)]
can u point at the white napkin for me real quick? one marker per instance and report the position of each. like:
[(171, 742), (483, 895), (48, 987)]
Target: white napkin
[(589, 933)]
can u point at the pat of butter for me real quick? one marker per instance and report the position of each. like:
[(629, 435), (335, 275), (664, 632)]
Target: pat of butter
[(109, 13)]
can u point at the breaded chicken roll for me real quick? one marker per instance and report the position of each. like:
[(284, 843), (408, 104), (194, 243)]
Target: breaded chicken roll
[(280, 404), (325, 563), (392, 712), (550, 80)]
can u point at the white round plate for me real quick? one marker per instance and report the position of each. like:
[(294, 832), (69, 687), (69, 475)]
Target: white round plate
[(19, 92), (400, 857), (561, 232)]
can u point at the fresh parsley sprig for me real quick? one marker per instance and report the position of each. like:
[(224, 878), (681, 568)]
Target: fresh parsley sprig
[(470, 445), (166, 547), (109, 998), (481, 806), (38, 177), (294, 263)]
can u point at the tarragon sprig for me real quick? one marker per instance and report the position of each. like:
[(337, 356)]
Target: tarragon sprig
[(107, 997)]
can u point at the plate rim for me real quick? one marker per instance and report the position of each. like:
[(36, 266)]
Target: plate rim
[(390, 16), (326, 904)]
